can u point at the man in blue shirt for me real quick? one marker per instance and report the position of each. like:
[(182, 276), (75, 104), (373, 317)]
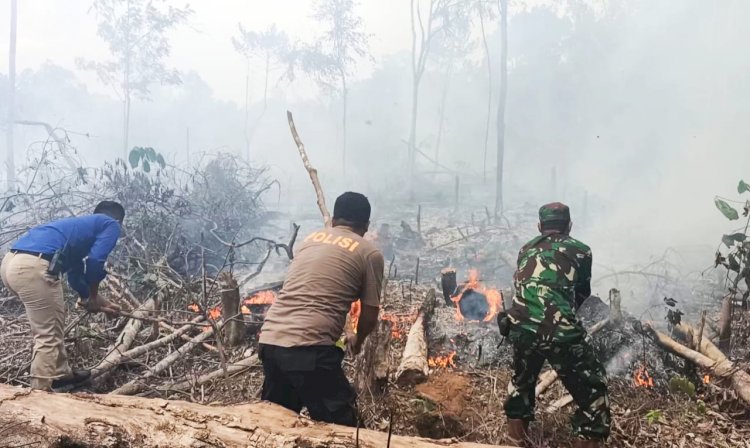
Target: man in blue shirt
[(33, 268)]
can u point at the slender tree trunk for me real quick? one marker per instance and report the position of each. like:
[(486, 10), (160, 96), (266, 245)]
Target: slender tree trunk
[(187, 145), (126, 122), (489, 94), (413, 133), (10, 156), (501, 105), (441, 119), (247, 109), (414, 103), (126, 90), (344, 99)]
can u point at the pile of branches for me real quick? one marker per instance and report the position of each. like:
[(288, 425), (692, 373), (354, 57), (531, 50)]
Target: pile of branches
[(188, 233)]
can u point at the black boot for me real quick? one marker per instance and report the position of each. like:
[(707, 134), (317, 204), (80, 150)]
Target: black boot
[(518, 430), (75, 377)]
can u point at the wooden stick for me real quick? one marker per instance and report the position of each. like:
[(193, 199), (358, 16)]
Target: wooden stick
[(310, 170), (232, 368), (559, 404), (137, 385), (123, 342)]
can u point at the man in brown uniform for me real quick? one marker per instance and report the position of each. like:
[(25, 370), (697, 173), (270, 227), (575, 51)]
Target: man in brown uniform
[(333, 268)]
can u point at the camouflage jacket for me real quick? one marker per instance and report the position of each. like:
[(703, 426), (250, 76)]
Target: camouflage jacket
[(552, 280)]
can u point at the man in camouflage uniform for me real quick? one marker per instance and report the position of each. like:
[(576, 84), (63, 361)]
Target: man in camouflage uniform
[(552, 281)]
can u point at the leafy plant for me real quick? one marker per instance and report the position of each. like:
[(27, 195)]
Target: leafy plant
[(145, 157), (726, 209), (681, 385), (653, 416), (700, 407)]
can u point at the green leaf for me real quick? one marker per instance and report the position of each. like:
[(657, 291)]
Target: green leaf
[(146, 166), (743, 187), (150, 154), (726, 209), (135, 156), (680, 384), (729, 240), (653, 416), (160, 161)]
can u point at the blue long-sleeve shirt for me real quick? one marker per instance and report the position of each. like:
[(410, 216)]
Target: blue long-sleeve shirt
[(90, 237)]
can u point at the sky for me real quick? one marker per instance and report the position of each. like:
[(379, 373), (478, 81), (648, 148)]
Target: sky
[(63, 30)]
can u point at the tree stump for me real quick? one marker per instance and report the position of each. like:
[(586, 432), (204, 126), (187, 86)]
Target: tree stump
[(234, 325), (448, 283)]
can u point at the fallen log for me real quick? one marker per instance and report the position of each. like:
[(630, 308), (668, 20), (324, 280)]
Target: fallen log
[(721, 367), (413, 368), (84, 420)]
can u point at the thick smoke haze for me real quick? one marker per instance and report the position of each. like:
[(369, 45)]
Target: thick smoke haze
[(634, 112)]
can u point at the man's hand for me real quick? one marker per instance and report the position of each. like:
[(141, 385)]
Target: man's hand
[(97, 304), (353, 344)]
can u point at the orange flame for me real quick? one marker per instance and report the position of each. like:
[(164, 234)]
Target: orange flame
[(401, 323), (442, 361), (244, 309), (494, 297), (706, 379), (641, 378), (214, 313), (194, 308), (266, 297), (354, 313)]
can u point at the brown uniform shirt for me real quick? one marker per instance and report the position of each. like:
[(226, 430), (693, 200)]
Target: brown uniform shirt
[(332, 268)]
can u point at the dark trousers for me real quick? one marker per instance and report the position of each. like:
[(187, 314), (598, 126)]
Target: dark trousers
[(311, 377), (580, 372)]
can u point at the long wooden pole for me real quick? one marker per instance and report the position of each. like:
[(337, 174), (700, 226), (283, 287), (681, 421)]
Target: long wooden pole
[(310, 170)]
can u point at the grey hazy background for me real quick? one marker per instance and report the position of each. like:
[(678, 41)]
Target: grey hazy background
[(636, 110)]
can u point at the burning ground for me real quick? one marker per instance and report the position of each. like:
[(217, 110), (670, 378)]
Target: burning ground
[(658, 399)]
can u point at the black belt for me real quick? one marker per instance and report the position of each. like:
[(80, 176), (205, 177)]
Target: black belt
[(47, 257)]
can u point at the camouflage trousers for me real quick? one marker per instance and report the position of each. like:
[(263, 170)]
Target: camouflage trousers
[(580, 372)]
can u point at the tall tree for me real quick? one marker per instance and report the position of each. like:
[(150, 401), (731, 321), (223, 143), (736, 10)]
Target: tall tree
[(425, 27), (501, 105), (331, 60), (272, 47), (136, 32), (10, 156), (483, 9)]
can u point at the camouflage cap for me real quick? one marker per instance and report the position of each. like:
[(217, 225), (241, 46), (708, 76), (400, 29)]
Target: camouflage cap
[(555, 211)]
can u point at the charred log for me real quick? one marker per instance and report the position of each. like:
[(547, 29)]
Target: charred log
[(414, 367)]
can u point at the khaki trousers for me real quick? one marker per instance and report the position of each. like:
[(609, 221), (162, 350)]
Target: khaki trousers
[(42, 296)]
